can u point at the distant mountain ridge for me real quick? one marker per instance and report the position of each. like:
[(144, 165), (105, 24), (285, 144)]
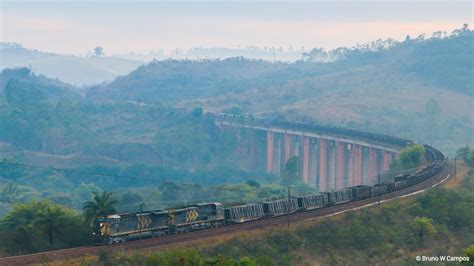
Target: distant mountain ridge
[(441, 62), (68, 68), (91, 70)]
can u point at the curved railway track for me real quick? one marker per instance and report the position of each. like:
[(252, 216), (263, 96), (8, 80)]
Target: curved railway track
[(171, 240)]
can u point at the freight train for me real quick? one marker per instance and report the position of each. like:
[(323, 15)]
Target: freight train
[(129, 226)]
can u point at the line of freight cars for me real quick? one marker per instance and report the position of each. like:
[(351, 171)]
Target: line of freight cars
[(129, 226)]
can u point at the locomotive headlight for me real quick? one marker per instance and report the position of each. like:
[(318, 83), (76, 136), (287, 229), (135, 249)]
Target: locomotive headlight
[(93, 233)]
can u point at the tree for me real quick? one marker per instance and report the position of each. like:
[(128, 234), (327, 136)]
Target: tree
[(253, 183), (197, 112), (292, 171), (463, 153), (101, 205), (235, 110), (469, 252), (470, 159), (11, 168), (51, 219), (423, 227), (99, 51), (467, 155), (410, 157), (129, 201)]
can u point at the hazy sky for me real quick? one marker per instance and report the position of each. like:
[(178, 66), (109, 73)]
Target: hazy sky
[(125, 26)]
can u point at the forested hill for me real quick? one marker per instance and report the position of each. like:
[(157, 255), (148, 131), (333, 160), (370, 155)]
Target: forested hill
[(25, 80), (177, 80), (443, 62)]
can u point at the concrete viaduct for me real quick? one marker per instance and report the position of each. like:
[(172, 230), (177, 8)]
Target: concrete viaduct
[(331, 158)]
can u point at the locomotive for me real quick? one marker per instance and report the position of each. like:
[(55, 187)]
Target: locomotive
[(129, 226)]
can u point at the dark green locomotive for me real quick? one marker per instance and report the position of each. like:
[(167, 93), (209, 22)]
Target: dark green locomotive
[(128, 226)]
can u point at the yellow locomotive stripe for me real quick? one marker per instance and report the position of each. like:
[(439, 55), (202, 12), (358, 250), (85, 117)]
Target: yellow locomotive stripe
[(143, 222), (191, 215)]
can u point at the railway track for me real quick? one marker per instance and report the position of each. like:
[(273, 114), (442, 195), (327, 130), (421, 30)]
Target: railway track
[(171, 240)]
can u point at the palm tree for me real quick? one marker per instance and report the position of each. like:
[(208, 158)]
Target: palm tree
[(100, 206), (51, 219), (20, 223)]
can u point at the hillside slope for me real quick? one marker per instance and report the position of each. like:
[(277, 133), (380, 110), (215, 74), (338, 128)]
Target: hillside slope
[(399, 88)]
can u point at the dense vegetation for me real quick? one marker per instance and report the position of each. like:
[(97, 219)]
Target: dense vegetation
[(409, 158), (39, 226), (169, 80)]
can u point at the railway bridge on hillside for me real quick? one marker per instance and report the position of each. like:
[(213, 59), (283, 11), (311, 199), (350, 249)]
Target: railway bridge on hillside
[(331, 158)]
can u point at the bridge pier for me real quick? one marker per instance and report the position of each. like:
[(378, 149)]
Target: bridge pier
[(387, 157), (350, 165), (295, 146), (322, 165), (313, 166), (332, 166), (357, 164), (269, 167), (287, 143), (340, 166), (372, 164), (277, 164), (252, 150), (305, 159)]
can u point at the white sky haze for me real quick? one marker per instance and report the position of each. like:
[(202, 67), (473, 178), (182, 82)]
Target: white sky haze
[(75, 27)]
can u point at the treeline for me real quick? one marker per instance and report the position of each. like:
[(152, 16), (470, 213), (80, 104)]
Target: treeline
[(40, 226), (441, 59), (154, 186)]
